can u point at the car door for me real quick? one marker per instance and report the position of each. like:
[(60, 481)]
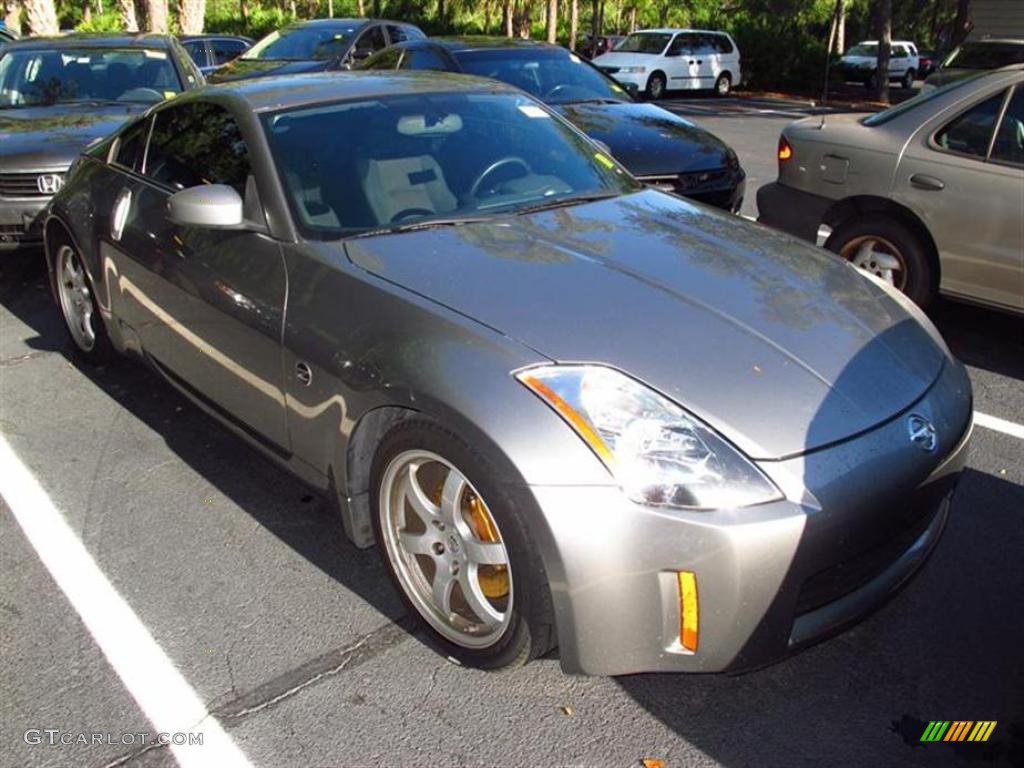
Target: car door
[(963, 173), (223, 50), (710, 59), (680, 62), (370, 40), (208, 303)]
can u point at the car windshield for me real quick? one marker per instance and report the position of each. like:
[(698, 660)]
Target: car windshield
[(986, 55), (38, 77), (863, 49), (644, 42), (922, 98), (552, 75), (303, 43), (414, 161)]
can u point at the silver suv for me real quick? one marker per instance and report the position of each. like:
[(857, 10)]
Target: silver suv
[(927, 195)]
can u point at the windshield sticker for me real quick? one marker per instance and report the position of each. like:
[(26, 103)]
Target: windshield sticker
[(604, 160), (532, 110)]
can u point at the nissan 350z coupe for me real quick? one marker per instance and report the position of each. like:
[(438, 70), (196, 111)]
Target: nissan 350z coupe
[(566, 408)]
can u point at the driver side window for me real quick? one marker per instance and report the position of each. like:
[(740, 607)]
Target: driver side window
[(371, 41)]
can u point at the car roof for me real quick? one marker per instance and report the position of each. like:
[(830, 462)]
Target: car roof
[(213, 36), (91, 40), (480, 42), (998, 40), (345, 22), (676, 30), (266, 94), (891, 42)]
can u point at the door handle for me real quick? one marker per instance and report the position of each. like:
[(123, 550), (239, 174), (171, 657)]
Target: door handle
[(119, 214), (699, 61), (930, 183)]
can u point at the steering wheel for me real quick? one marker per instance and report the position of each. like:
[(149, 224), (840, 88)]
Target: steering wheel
[(407, 212), (510, 160)]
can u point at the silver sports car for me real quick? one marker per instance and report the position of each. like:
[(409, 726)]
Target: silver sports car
[(567, 409)]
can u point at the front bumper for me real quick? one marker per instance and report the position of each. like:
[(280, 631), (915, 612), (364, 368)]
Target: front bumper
[(859, 518), (639, 79), (722, 188), (792, 210), (21, 223)]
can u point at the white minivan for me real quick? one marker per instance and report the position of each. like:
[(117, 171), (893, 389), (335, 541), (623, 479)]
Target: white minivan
[(658, 60)]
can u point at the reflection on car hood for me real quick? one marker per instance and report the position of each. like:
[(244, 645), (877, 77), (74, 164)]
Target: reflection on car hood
[(779, 345), (243, 69), (648, 139), (53, 136)]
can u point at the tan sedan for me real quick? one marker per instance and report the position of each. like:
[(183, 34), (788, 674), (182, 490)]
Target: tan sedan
[(927, 195)]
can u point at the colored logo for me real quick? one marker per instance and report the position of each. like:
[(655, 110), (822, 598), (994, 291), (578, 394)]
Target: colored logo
[(958, 730), (922, 432)]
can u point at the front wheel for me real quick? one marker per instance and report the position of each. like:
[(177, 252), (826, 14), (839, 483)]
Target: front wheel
[(456, 549), (889, 250), (78, 306), (723, 85), (656, 85), (908, 79)]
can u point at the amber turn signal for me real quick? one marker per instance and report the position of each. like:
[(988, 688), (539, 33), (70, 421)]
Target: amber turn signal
[(785, 149), (689, 626)]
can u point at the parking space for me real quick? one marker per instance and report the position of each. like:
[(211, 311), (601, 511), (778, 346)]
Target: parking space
[(298, 650)]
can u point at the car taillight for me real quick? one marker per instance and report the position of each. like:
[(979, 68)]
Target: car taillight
[(785, 150)]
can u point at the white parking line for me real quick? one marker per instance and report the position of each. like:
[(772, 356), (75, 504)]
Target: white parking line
[(167, 700), (999, 425)]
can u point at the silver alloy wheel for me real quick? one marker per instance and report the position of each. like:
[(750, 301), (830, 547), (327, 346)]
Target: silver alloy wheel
[(656, 86), (441, 562), (722, 85), (877, 256), (75, 298)]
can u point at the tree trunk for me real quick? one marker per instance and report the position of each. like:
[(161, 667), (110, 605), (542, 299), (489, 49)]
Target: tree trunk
[(632, 19), (99, 7), (190, 16), (12, 15), (41, 17), (156, 16), (362, 8), (552, 21), (884, 50), (962, 24), (595, 26), (841, 26), (506, 17), (441, 22), (574, 23), (524, 20), (330, 9)]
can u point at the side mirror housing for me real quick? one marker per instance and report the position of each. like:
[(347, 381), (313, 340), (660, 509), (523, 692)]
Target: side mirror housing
[(212, 206)]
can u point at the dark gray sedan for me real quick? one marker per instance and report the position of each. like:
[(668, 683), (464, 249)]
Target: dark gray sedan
[(567, 409)]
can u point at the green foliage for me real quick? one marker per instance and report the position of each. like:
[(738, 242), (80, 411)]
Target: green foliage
[(261, 20), (108, 21)]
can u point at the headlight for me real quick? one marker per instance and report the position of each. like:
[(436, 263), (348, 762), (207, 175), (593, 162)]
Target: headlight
[(658, 453), (633, 70)]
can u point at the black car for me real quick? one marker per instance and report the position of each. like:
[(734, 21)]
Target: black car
[(57, 95), (212, 51), (658, 147), (976, 56), (316, 46)]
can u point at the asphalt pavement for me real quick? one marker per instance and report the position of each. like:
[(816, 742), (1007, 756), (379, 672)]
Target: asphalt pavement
[(216, 576)]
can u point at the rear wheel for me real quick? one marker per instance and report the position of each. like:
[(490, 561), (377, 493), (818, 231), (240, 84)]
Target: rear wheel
[(656, 85), (889, 250), (457, 552), (78, 305), (723, 84), (908, 79)]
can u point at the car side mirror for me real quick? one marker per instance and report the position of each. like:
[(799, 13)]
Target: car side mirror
[(211, 206)]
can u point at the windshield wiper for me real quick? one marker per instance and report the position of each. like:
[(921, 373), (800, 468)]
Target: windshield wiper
[(564, 202), (414, 226)]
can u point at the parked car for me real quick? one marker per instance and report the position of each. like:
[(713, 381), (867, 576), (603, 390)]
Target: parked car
[(659, 60), (977, 56), (605, 43), (212, 51), (657, 146), (860, 63), (57, 94), (926, 195), (319, 45), (754, 446), (927, 62)]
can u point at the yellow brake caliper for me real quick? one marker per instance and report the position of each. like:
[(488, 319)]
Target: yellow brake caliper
[(494, 581)]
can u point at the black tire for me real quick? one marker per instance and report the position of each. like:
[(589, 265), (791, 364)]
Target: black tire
[(921, 279), (870, 81), (908, 79), (657, 86), (530, 632), (101, 351), (723, 85)]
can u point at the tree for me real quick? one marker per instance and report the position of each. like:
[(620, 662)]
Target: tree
[(552, 21), (41, 17), (884, 11), (156, 16), (574, 23), (12, 15), (128, 19), (190, 16)]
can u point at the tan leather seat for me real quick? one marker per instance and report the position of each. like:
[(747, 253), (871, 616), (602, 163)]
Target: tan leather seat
[(396, 185)]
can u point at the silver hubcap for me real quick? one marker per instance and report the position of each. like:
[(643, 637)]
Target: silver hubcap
[(446, 549), (75, 298), (878, 257), (657, 87), (723, 86)]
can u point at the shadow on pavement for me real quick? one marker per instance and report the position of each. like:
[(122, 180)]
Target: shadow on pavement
[(982, 338)]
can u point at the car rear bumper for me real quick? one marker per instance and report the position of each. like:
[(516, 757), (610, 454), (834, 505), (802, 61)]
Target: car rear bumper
[(792, 210), (21, 223), (770, 579)]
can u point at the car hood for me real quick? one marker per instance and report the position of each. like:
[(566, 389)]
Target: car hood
[(36, 138), (624, 59), (647, 139), (780, 346), (243, 69), (856, 61)]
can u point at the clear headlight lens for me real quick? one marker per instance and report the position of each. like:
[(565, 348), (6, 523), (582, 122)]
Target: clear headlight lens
[(633, 70), (658, 453)]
